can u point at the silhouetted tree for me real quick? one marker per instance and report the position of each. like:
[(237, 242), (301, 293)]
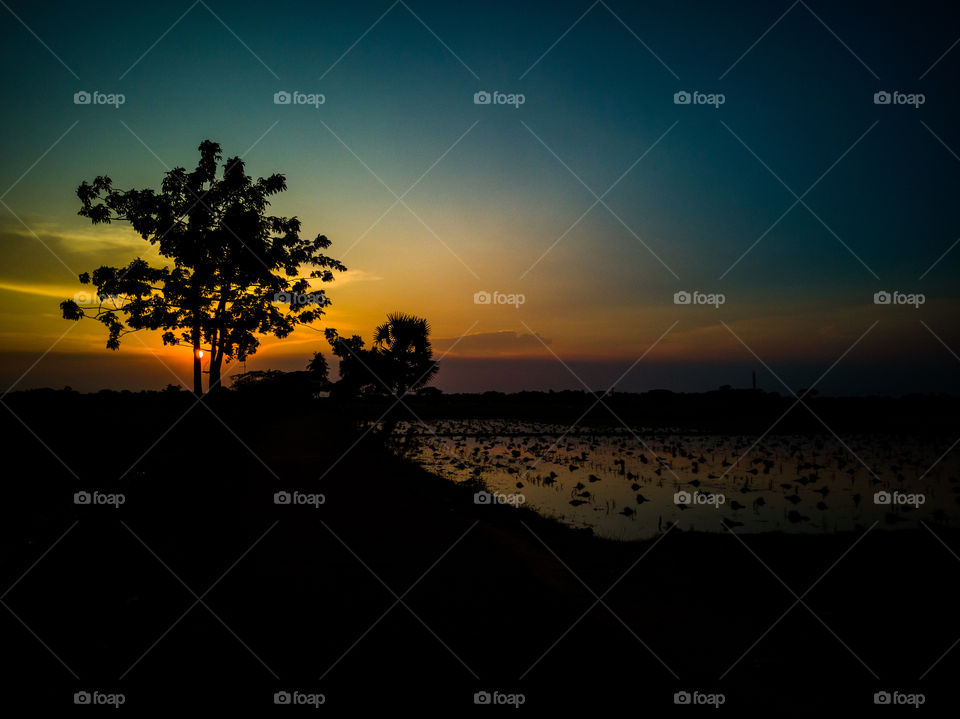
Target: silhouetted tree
[(400, 361), (403, 343), (317, 367), (236, 270), (357, 373)]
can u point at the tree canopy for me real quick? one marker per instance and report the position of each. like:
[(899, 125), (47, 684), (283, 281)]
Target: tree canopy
[(236, 270)]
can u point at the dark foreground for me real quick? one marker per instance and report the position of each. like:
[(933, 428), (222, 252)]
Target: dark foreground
[(400, 593)]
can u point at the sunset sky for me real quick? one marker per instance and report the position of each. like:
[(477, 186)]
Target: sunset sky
[(501, 191)]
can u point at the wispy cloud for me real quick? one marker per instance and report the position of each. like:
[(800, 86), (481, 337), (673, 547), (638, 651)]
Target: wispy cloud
[(59, 291), (353, 276)]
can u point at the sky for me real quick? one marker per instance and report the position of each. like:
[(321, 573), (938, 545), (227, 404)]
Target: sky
[(783, 187)]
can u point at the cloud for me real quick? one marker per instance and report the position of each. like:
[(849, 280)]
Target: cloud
[(61, 292), (43, 254), (352, 276), (485, 344), (39, 257)]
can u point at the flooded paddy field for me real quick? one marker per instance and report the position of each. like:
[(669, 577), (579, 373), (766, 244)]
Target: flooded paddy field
[(632, 484)]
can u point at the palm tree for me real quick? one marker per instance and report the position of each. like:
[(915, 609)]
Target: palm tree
[(406, 357)]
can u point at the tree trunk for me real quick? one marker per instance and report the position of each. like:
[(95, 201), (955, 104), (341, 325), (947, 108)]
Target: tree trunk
[(216, 344), (197, 371), (195, 337), (215, 363)]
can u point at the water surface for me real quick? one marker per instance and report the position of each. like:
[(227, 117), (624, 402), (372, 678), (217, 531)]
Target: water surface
[(632, 484)]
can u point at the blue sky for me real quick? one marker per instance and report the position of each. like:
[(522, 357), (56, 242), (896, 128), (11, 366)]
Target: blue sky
[(500, 205)]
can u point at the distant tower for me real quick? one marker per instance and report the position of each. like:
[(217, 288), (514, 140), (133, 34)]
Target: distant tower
[(754, 373)]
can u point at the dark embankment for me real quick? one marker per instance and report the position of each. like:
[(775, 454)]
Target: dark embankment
[(200, 592)]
